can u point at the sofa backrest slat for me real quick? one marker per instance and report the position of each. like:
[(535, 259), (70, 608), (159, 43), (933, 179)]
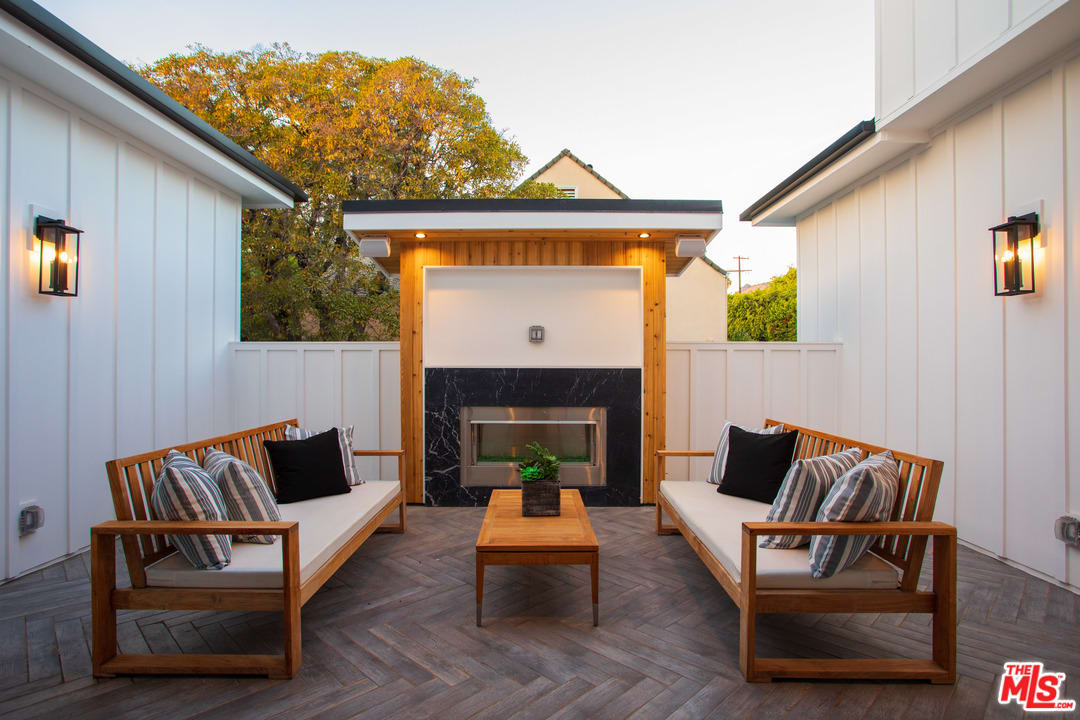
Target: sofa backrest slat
[(915, 497), (131, 481)]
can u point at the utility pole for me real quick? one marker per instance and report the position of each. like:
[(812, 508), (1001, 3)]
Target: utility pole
[(740, 270)]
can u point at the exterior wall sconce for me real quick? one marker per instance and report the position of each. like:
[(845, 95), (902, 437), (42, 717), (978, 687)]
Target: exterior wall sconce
[(536, 333), (1014, 255), (58, 271)]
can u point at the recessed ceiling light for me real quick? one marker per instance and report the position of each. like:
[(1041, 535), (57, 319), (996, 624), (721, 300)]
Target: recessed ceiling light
[(643, 236), (421, 235)]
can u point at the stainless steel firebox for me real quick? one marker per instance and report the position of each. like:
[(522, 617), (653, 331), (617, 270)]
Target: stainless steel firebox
[(493, 441)]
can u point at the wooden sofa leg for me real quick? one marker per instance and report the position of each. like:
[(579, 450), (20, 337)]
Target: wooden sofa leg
[(399, 526), (661, 528), (944, 638), (102, 584), (291, 596)]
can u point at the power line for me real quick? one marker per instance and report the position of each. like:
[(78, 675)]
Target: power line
[(740, 270)]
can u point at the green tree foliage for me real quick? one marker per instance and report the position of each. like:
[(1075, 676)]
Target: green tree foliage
[(766, 314), (343, 127)]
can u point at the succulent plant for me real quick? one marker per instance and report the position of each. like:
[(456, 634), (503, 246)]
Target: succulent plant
[(541, 467)]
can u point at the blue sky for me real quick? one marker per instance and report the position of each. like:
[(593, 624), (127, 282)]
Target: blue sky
[(680, 99)]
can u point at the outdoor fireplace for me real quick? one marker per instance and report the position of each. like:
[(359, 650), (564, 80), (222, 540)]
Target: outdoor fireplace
[(493, 441), (590, 417)]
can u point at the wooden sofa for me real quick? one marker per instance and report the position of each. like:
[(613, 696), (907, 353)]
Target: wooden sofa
[(161, 579), (765, 580)]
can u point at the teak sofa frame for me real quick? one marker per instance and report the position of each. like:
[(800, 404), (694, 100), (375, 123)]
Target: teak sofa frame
[(902, 544), (131, 480)]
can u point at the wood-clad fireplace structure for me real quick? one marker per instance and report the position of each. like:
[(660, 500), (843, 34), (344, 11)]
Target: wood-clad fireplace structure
[(530, 233)]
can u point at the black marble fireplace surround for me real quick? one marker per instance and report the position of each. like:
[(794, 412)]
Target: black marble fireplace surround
[(446, 390)]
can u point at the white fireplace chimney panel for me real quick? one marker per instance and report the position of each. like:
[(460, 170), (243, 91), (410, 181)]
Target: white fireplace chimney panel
[(480, 316)]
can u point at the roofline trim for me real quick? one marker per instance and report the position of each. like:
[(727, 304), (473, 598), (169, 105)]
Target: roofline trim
[(843, 145), (41, 21), (531, 205), (587, 168), (714, 266)]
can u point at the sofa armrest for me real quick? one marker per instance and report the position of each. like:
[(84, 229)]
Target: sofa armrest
[(378, 453), (916, 528), (685, 453), (196, 527)]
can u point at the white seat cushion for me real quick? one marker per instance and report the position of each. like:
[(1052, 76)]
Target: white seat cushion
[(326, 524), (717, 521)]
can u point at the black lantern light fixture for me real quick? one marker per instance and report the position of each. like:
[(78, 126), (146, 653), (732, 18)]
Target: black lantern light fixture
[(58, 271), (1014, 255)]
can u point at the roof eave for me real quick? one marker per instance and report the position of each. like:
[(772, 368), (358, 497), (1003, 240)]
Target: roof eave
[(841, 174), (48, 26)]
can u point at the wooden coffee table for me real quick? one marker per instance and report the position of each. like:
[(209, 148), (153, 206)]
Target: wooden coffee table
[(507, 538)]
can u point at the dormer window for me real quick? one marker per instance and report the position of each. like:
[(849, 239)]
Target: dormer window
[(567, 191)]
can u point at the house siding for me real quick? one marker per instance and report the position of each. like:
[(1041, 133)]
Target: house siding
[(140, 358), (897, 268)]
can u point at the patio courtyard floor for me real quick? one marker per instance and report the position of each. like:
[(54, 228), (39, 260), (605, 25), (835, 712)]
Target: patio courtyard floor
[(393, 635)]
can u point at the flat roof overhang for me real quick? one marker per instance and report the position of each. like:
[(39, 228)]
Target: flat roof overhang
[(531, 221)]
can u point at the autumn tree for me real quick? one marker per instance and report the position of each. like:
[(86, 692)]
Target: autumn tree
[(765, 314), (343, 127)]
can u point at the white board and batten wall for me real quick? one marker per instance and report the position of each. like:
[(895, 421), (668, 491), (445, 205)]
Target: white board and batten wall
[(898, 269), (359, 384), (139, 360), (929, 52), (323, 385)]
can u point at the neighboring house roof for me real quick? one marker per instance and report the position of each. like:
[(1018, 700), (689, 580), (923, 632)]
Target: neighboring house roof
[(714, 266), (66, 38), (587, 168), (758, 286), (843, 145)]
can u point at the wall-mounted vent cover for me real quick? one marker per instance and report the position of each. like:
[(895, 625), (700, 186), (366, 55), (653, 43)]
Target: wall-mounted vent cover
[(31, 518), (567, 191)]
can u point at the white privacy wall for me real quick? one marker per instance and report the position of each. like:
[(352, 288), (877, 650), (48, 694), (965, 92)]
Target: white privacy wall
[(139, 359), (899, 271), (359, 384), (480, 316), (324, 385), (711, 383)]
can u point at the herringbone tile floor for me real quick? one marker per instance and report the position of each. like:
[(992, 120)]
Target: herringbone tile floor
[(392, 635)]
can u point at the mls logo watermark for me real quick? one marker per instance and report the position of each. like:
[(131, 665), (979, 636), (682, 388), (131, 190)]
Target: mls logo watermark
[(1033, 689)]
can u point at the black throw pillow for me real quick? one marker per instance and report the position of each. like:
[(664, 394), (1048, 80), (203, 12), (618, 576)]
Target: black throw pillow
[(757, 464), (306, 469)]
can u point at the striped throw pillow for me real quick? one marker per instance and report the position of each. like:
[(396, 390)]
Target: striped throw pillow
[(344, 439), (245, 492), (865, 493), (804, 488), (183, 491), (719, 463)]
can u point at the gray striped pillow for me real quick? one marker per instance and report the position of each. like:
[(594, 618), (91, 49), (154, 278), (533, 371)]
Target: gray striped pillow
[(716, 472), (865, 493), (344, 439), (805, 486), (183, 491), (245, 492)]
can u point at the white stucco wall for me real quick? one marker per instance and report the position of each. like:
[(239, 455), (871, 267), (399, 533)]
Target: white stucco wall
[(898, 269), (592, 316), (139, 360), (697, 305)]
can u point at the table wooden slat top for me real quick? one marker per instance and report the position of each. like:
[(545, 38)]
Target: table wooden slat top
[(505, 530)]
